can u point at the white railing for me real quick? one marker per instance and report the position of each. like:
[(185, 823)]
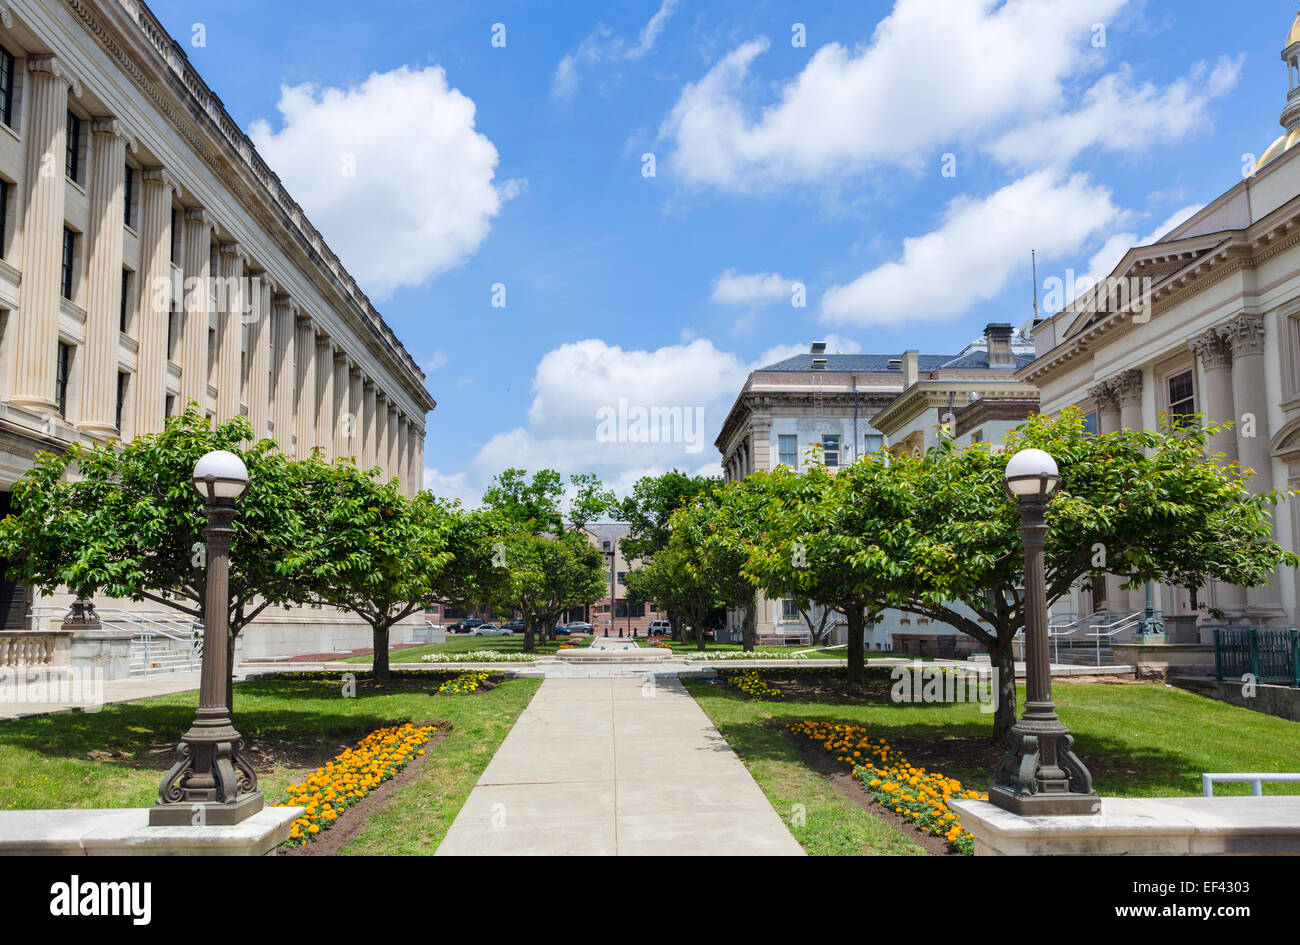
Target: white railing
[(1256, 781), (1107, 630), (1064, 626), (143, 626)]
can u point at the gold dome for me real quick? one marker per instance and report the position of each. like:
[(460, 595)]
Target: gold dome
[(1294, 35), (1274, 149)]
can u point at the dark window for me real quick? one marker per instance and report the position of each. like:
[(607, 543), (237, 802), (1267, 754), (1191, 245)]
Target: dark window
[(636, 610), (121, 397), (74, 147), (69, 254), (831, 449), (169, 405), (1182, 398), (126, 294), (6, 86), (128, 195), (176, 237), (171, 332), (61, 378), (5, 190)]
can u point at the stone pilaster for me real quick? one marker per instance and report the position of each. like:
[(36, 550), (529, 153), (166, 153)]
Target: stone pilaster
[(1250, 399), (341, 432), (381, 434), (356, 407), (231, 293), (369, 425), (283, 371), (305, 391), (257, 390), (393, 464), (103, 249), (154, 293), (404, 455), (35, 327), (194, 333), (324, 395)]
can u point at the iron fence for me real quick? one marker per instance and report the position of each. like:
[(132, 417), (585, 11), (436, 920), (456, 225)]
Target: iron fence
[(1270, 656)]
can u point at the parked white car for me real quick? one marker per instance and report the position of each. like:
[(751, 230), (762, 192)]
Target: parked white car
[(660, 627), (490, 630)]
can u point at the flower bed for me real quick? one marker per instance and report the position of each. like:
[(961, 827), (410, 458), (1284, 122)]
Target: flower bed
[(751, 684), (919, 795), (479, 656), (468, 681), (337, 785)]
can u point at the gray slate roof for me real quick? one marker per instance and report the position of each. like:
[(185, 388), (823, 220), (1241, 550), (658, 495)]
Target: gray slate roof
[(860, 363)]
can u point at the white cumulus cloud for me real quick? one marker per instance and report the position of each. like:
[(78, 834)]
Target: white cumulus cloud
[(392, 172), (604, 46), (934, 71), (970, 257), (759, 288)]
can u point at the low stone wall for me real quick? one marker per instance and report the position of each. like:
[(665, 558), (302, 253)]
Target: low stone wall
[(106, 652), (1282, 701), (305, 630), (1161, 660)]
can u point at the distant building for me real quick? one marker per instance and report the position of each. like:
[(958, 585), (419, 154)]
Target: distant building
[(832, 409), (612, 612)]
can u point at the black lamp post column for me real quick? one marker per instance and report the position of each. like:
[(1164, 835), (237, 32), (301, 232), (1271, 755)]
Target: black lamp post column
[(1039, 775), (214, 783)]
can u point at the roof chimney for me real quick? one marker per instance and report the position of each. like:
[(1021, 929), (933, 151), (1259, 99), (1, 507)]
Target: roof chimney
[(911, 360), (998, 337), (818, 347)]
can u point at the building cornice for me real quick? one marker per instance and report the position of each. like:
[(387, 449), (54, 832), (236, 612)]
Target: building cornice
[(925, 395)]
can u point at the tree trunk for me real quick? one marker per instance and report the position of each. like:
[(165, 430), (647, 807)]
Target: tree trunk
[(1003, 660), (749, 625), (697, 624), (380, 666), (529, 645), (854, 654)]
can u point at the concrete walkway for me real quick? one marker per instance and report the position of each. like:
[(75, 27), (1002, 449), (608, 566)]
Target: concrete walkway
[(616, 766), (23, 695)]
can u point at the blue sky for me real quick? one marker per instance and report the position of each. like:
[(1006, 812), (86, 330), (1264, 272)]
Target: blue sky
[(1076, 127)]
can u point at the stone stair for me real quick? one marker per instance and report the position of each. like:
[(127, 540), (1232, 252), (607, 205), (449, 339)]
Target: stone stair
[(164, 656)]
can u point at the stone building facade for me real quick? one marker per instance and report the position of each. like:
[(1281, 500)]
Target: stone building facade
[(149, 258)]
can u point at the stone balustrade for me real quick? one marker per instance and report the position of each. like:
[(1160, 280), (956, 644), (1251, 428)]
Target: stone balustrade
[(32, 648)]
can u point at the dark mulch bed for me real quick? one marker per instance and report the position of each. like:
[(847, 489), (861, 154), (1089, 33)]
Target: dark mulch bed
[(854, 790), (822, 684), (401, 680), (265, 752), (353, 820)]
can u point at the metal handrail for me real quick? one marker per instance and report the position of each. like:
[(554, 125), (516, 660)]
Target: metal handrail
[(1109, 630), (143, 625), (1256, 781)]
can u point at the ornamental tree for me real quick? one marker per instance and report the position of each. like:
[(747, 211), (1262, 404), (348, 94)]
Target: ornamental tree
[(1157, 503), (546, 575), (826, 537), (377, 554), (124, 521)]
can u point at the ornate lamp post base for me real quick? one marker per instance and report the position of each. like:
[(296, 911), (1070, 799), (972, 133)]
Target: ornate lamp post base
[(1041, 777), (206, 813)]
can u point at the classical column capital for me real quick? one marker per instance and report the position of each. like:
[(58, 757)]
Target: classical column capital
[(1213, 350), (1245, 334), (109, 126), (1127, 388), (236, 250), (52, 65), (1104, 395), (341, 357), (158, 174), (200, 217)]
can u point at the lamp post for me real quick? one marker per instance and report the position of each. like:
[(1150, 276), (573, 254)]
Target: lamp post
[(1151, 629), (214, 783), (1039, 775)]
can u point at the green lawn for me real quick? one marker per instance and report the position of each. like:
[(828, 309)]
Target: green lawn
[(464, 643), (836, 654), (115, 757), (1138, 740)]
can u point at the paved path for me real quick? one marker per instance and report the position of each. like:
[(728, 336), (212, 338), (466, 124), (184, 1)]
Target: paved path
[(22, 697), (616, 766)]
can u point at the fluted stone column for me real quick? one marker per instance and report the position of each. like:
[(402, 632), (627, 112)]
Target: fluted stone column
[(305, 391), (343, 420), (103, 249), (257, 391), (383, 455), (231, 293), (357, 409), (194, 334), (283, 371), (1250, 399), (414, 459), (35, 327), (324, 395), (369, 426), (1215, 354), (149, 388), (1108, 414), (404, 455)]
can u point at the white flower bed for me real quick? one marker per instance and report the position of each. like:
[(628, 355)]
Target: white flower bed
[(742, 655), (479, 656)]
